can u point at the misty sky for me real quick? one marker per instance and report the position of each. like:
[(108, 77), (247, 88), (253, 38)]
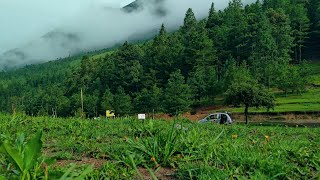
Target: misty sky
[(96, 24), (24, 20)]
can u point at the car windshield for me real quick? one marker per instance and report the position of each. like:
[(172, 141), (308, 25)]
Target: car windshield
[(212, 116)]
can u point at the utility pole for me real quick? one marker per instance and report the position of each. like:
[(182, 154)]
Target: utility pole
[(81, 103), (152, 114)]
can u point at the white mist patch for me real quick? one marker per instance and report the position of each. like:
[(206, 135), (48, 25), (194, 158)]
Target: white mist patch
[(44, 30)]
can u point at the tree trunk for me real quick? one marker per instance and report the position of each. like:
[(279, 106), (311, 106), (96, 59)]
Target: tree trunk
[(296, 53), (246, 113), (81, 98), (300, 46), (300, 54)]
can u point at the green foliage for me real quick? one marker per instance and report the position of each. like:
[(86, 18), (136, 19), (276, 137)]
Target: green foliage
[(301, 28), (72, 174), (148, 100), (177, 95), (269, 35), (107, 100), (122, 102), (190, 21), (159, 149), (203, 82), (247, 92), (26, 157), (126, 148), (294, 79)]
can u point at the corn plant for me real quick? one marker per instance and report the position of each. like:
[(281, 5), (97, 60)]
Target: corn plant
[(25, 157), (158, 149), (144, 129), (72, 174)]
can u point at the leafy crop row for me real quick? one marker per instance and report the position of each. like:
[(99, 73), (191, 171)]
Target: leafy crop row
[(128, 148)]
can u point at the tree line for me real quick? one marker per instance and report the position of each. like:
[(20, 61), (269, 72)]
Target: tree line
[(242, 49)]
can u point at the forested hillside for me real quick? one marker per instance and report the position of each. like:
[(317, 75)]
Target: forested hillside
[(259, 47)]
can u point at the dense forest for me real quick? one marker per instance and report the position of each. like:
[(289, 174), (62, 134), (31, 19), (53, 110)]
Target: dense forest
[(254, 48)]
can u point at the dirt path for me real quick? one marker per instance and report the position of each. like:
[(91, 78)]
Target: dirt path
[(239, 117), (97, 163)]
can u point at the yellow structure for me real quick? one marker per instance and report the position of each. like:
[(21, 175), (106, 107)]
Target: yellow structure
[(110, 114)]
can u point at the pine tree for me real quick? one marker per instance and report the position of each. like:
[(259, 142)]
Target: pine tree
[(301, 26), (313, 43), (122, 102), (148, 101), (275, 4), (199, 50), (190, 21), (177, 95), (189, 33), (213, 19), (261, 45), (107, 100), (175, 51), (282, 33), (129, 71), (235, 28), (218, 33), (205, 52), (106, 72), (203, 83), (158, 59)]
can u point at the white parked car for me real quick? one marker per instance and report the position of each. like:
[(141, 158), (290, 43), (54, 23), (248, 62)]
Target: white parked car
[(219, 118)]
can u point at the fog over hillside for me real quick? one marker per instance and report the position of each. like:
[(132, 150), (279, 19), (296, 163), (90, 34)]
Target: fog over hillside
[(41, 30)]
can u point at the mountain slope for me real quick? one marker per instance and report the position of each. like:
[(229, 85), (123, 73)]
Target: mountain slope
[(61, 43), (138, 5)]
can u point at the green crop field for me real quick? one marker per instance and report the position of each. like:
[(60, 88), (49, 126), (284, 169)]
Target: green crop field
[(131, 149)]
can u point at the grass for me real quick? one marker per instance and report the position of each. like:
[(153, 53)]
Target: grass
[(316, 79), (308, 101), (305, 102), (314, 67), (315, 71), (302, 107), (189, 150), (311, 96)]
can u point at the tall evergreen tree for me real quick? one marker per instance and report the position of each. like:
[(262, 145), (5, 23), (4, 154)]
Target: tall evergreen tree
[(199, 50), (190, 22), (177, 95), (300, 24), (122, 102), (189, 32), (282, 33), (203, 83), (218, 33), (236, 27), (261, 45), (129, 71), (213, 20), (313, 43), (107, 100), (158, 58), (148, 101)]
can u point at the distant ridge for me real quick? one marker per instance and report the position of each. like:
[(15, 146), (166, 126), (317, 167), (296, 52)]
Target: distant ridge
[(139, 5)]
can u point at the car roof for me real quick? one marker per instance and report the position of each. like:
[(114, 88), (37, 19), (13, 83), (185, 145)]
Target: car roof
[(218, 113)]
